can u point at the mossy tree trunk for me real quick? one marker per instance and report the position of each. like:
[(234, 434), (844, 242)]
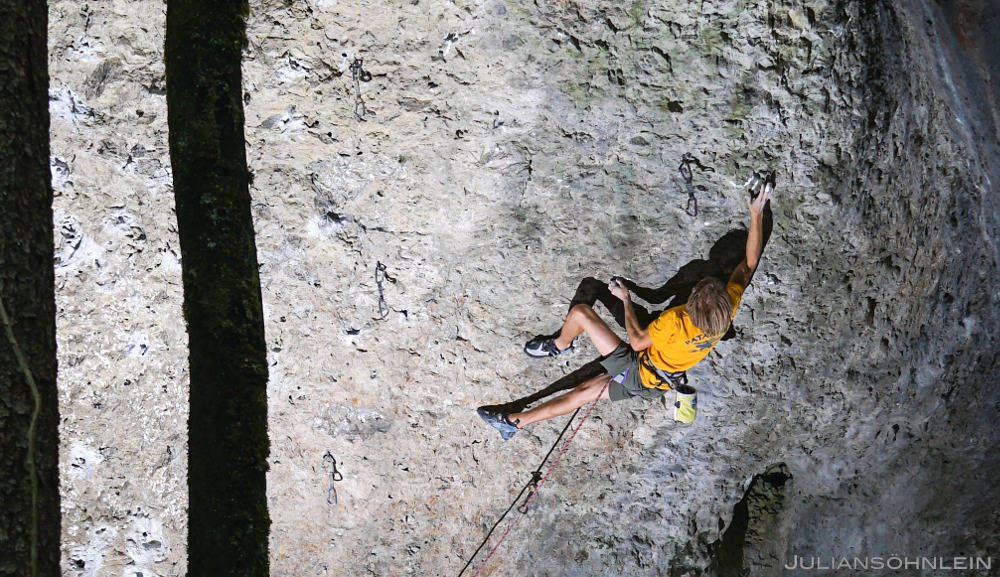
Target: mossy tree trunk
[(29, 409), (228, 518)]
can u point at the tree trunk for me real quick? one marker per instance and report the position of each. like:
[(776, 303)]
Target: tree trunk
[(29, 404), (228, 518)]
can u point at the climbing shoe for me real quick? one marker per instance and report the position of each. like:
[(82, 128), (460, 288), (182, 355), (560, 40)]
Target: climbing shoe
[(540, 347), (499, 421)]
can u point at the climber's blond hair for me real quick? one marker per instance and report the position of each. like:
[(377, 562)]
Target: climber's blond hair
[(710, 306)]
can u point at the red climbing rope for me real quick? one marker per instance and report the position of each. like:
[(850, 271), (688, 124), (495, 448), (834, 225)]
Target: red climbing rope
[(521, 510)]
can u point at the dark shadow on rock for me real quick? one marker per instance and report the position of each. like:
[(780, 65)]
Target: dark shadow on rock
[(754, 519), (587, 371), (723, 258)]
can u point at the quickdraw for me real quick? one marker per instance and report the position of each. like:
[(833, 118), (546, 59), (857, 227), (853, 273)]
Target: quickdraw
[(359, 75), (335, 476), (686, 174), (380, 277), (685, 170), (536, 478)]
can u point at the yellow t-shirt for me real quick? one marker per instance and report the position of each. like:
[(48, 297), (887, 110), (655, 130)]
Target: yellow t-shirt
[(678, 345)]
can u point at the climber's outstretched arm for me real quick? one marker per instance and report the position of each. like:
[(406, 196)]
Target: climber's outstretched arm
[(638, 337), (755, 239)]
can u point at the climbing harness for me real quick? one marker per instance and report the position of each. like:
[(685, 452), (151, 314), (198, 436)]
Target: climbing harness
[(532, 487), (380, 277), (335, 476), (359, 75), (672, 380)]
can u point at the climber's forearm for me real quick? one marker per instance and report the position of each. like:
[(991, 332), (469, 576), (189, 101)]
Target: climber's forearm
[(638, 337), (755, 240)]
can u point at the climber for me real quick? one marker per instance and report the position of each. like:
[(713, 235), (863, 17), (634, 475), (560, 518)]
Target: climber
[(655, 358)]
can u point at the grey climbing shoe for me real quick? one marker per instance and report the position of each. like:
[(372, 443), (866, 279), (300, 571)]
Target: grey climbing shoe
[(499, 421), (540, 347)]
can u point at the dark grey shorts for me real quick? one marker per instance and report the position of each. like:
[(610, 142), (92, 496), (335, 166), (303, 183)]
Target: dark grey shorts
[(623, 366)]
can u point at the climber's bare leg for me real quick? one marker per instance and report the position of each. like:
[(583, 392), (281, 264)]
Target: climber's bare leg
[(582, 318), (584, 393)]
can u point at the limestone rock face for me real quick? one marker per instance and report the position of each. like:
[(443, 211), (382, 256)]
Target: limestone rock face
[(509, 151)]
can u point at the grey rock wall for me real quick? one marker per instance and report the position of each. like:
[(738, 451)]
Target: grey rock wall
[(511, 150)]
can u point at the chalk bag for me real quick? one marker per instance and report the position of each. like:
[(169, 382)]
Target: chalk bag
[(686, 404)]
